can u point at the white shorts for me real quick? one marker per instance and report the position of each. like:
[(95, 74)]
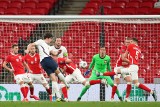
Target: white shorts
[(133, 70), (22, 77), (119, 75), (76, 75), (38, 78)]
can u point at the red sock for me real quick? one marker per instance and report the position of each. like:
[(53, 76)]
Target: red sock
[(64, 91), (23, 90), (128, 90), (109, 73), (26, 88), (31, 90), (114, 89), (49, 91), (144, 88), (92, 82)]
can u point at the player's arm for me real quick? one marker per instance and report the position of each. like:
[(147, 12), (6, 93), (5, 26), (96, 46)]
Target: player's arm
[(68, 60), (109, 65), (92, 63), (6, 67), (27, 67), (124, 57)]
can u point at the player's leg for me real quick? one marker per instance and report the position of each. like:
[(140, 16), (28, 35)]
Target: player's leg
[(43, 81), (64, 89), (20, 81), (134, 73), (110, 82), (129, 87), (28, 80)]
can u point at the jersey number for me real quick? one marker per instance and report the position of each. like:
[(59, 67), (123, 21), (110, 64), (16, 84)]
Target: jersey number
[(137, 53)]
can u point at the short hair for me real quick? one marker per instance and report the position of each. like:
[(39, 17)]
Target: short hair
[(14, 45), (48, 35), (135, 40), (102, 47)]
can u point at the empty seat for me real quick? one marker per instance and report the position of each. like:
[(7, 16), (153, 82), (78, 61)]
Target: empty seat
[(1, 11), (38, 12), (118, 5), (150, 0), (122, 1), (31, 5), (5, 1), (137, 0), (44, 5), (147, 5), (115, 11), (154, 11), (88, 11), (129, 11), (36, 1), (92, 5), (25, 11), (113, 1), (107, 5), (132, 4), (142, 11), (15, 5), (11, 11)]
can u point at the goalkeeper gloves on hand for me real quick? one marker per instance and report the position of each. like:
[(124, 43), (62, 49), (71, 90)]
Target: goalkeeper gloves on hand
[(87, 72)]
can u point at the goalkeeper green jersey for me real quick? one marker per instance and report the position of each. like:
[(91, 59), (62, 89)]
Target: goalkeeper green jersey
[(100, 64)]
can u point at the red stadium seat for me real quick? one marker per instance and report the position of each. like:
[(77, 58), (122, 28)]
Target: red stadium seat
[(44, 5), (92, 5), (129, 11), (118, 5), (49, 1), (15, 5), (114, 11), (87, 11), (38, 12), (11, 11), (132, 4), (22, 1), (25, 11), (147, 5), (150, 0), (107, 5), (31, 5), (136, 0), (1, 11), (154, 11), (3, 5), (122, 1), (36, 1), (113, 1), (5, 1), (142, 11)]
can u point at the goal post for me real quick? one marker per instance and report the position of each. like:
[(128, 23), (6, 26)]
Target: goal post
[(82, 36)]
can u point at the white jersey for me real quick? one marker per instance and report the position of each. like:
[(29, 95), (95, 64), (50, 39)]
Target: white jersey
[(62, 48), (44, 49)]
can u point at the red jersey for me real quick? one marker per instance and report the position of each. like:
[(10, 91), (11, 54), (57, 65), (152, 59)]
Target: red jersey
[(119, 61), (33, 63), (16, 62), (134, 54), (69, 67)]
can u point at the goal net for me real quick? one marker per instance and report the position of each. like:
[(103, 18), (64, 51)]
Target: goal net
[(82, 36)]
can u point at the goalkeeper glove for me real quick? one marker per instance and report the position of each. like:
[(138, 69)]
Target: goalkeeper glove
[(87, 72)]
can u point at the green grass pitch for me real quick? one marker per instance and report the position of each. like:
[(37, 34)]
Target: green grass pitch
[(78, 104)]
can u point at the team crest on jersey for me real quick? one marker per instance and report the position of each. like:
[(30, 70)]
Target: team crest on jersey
[(32, 62), (105, 61)]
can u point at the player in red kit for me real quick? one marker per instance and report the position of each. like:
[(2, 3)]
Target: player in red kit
[(17, 68), (33, 61), (133, 53), (120, 64)]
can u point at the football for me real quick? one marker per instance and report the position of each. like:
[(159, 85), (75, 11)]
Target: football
[(83, 64)]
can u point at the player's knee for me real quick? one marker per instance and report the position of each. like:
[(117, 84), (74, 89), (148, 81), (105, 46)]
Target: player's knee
[(136, 84)]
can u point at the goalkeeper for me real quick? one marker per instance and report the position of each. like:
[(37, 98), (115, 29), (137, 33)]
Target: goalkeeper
[(101, 63)]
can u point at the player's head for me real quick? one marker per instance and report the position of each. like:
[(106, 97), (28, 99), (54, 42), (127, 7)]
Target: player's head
[(48, 37), (58, 42), (102, 51), (127, 41), (134, 40), (15, 48), (32, 50)]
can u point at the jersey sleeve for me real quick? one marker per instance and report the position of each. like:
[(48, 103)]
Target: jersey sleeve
[(109, 64), (92, 63), (129, 47), (38, 42)]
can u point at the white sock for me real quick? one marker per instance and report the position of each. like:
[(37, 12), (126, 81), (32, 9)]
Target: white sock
[(62, 78), (56, 89)]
